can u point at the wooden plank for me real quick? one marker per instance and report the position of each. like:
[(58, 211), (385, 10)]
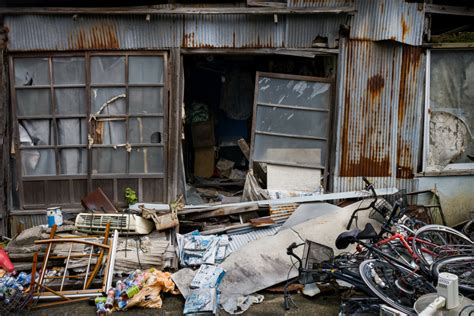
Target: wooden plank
[(176, 10), (224, 211), (449, 10)]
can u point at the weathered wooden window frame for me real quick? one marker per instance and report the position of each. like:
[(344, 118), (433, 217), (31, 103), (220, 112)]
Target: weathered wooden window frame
[(324, 167), (93, 180)]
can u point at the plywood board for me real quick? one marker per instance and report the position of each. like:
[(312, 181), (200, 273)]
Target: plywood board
[(204, 162)]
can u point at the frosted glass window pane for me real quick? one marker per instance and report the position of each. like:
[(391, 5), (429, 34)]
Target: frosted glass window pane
[(109, 160), (267, 148), (36, 132), (146, 100), (451, 132), (72, 131), (107, 69), (69, 70), (145, 130), (33, 102), (145, 69), (294, 92), (31, 71), (146, 160), (294, 122), (73, 161), (70, 101), (38, 162), (100, 96)]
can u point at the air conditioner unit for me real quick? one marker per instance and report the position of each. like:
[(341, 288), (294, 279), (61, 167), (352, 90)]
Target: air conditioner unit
[(124, 223)]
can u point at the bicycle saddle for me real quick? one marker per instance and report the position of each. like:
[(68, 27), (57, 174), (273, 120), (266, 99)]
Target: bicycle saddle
[(349, 237)]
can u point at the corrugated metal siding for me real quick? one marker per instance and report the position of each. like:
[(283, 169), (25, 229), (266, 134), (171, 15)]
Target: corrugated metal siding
[(319, 3), (380, 101), (388, 20), (40, 33), (322, 25), (231, 31), (20, 222)]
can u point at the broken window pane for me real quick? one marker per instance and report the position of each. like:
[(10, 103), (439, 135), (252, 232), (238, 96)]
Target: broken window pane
[(109, 160), (107, 69), (31, 71), (146, 100), (290, 150), (451, 108), (37, 162), (68, 70), (294, 92), (36, 132), (294, 122), (33, 102), (145, 69), (72, 131), (70, 101), (146, 160), (145, 130), (73, 161), (108, 101), (110, 132)]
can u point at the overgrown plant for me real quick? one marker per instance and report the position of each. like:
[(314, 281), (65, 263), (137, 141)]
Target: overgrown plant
[(131, 196)]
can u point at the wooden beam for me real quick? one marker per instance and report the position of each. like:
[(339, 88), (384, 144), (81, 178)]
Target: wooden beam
[(177, 10), (449, 10), (224, 211)]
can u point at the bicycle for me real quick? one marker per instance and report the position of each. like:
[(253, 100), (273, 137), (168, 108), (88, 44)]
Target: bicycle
[(318, 264)]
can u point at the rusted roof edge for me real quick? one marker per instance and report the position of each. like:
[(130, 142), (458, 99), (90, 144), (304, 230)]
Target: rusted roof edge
[(178, 10)]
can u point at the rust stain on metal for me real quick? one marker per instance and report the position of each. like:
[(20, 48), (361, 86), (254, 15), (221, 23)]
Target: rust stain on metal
[(99, 36), (364, 144), (411, 61), (404, 28), (375, 85)]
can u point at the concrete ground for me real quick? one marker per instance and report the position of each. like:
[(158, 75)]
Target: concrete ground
[(272, 305)]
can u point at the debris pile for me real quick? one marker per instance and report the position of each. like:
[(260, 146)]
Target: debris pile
[(221, 256)]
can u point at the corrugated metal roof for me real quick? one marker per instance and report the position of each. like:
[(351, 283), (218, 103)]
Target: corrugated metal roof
[(388, 20), (319, 3), (42, 32), (239, 240), (379, 101)]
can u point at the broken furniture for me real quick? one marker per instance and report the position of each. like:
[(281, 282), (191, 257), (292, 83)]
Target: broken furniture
[(67, 286), (98, 201)]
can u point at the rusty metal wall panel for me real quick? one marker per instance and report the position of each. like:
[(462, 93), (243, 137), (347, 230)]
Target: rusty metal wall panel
[(303, 29), (41, 33), (36, 33), (388, 20), (410, 108), (379, 123), (233, 31), (319, 3)]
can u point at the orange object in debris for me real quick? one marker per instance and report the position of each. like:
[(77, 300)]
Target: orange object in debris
[(5, 262)]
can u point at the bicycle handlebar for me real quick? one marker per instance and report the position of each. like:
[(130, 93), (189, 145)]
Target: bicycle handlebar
[(369, 187)]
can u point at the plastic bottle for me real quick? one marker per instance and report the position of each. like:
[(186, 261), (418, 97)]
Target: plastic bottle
[(109, 303)]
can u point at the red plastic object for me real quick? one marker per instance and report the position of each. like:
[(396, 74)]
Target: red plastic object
[(5, 262)]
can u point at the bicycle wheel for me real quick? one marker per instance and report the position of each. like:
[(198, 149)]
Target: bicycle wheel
[(434, 242), (395, 285), (462, 266)]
